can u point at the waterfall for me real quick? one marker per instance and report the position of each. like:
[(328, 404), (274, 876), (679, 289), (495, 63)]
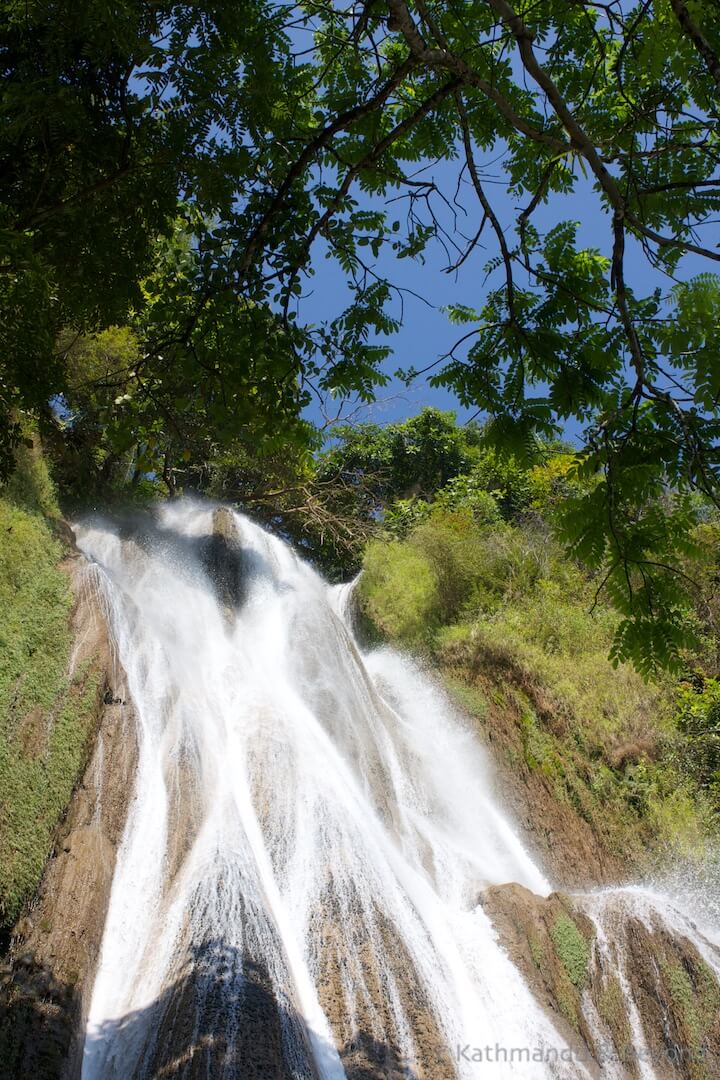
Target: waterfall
[(297, 886)]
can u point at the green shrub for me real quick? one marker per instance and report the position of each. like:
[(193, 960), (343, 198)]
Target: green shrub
[(505, 479), (404, 515), (30, 485), (453, 547), (399, 592), (46, 717), (468, 493), (572, 949), (698, 719)]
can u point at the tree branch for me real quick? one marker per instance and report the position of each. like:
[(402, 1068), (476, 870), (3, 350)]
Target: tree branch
[(488, 211), (368, 161), (579, 139), (321, 140), (400, 19), (694, 33), (617, 281)]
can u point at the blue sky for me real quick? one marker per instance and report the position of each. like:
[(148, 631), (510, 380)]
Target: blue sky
[(426, 333)]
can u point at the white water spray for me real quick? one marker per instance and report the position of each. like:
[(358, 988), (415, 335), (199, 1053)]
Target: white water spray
[(309, 832)]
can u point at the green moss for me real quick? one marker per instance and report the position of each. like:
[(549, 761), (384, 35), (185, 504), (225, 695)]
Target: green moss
[(612, 1008), (571, 948), (695, 995), (537, 951), (46, 714), (538, 746), (566, 997), (468, 697), (684, 1002), (708, 997)]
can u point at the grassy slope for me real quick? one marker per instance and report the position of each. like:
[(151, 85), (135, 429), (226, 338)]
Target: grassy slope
[(508, 623), (46, 716)]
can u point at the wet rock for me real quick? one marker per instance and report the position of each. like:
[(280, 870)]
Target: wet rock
[(48, 973), (225, 561), (622, 985), (64, 532), (354, 996), (24, 928), (550, 943), (220, 1014)]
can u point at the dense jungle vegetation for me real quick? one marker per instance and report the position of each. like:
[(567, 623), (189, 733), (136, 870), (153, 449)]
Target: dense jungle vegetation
[(173, 175), (462, 566), (467, 572)]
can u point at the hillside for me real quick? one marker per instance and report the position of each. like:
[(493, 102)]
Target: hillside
[(597, 762), (608, 776), (341, 734), (49, 693)]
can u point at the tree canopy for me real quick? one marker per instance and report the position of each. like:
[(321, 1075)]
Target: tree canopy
[(179, 169)]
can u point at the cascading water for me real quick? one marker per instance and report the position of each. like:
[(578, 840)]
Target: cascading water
[(296, 892)]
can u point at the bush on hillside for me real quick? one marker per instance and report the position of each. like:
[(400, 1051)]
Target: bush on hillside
[(47, 712), (499, 603)]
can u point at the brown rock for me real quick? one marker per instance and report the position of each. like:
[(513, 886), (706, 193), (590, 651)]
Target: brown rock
[(47, 985), (642, 992)]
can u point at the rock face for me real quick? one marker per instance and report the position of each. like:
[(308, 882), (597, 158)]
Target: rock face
[(225, 560), (622, 985), (622, 982), (558, 832), (47, 977)]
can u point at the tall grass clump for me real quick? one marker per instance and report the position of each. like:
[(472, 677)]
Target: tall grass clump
[(46, 715)]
